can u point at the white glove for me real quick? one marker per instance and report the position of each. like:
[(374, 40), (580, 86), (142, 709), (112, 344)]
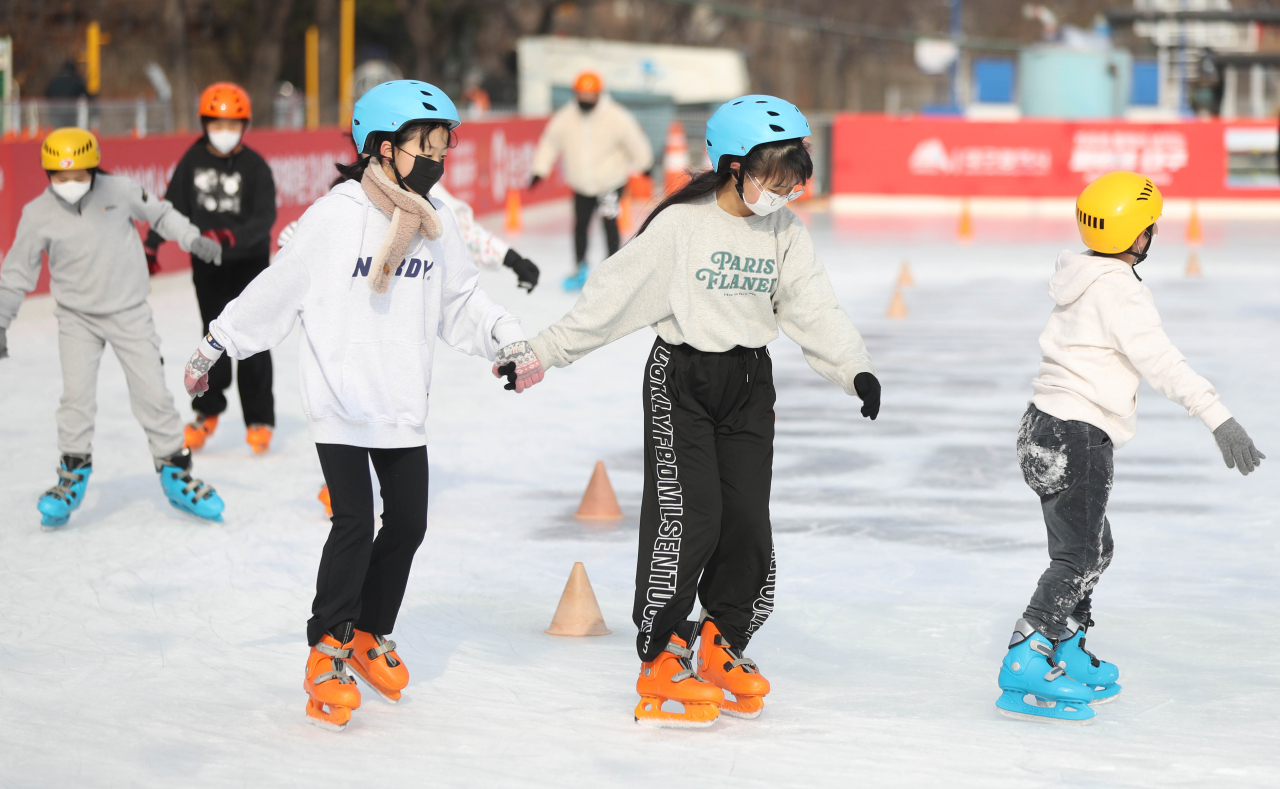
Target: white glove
[(207, 250), (286, 234), (195, 376), (520, 365)]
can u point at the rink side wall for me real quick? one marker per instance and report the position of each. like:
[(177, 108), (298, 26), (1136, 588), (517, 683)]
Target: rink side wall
[(491, 157)]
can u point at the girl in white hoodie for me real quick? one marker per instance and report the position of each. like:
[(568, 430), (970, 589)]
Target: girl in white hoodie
[(375, 273), (1103, 338)]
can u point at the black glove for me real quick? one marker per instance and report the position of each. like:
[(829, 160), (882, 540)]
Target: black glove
[(153, 261), (526, 271), (868, 388), (534, 181)]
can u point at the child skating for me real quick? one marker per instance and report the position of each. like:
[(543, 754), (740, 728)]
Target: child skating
[(98, 275), (375, 272), (228, 191), (1103, 338), (716, 270)]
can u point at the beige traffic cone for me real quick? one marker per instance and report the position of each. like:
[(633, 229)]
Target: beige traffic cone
[(599, 502), (1195, 233), (905, 280), (897, 306), (578, 613), (515, 219), (1193, 266), (964, 231)]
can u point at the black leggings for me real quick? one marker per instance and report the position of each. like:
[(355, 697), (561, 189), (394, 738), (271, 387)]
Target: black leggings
[(584, 208), (362, 578)]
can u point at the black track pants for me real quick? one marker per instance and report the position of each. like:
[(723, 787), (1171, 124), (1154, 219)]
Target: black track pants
[(584, 208), (704, 522), (215, 287), (360, 577)]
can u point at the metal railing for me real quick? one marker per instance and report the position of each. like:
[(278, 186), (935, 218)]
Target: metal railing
[(695, 129), (32, 118)]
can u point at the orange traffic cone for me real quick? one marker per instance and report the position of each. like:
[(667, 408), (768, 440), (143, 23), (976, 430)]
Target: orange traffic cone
[(599, 503), (515, 218), (624, 213), (897, 306), (1195, 234), (964, 232), (675, 160), (324, 499), (905, 280), (578, 613), (1193, 265)]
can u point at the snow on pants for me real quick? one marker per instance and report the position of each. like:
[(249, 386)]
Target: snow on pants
[(133, 338), (584, 207), (704, 520), (215, 287), (362, 578), (1069, 465)]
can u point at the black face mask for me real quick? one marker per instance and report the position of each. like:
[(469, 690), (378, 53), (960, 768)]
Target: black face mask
[(424, 175), (586, 106)]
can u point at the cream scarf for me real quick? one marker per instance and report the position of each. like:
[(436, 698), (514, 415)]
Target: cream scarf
[(410, 214)]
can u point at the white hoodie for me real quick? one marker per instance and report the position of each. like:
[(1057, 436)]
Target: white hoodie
[(365, 359), (1101, 340)]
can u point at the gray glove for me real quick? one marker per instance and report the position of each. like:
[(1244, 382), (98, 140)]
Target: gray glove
[(4, 343), (207, 250), (1237, 448)]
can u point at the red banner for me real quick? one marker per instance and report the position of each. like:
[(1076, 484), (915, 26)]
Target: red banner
[(491, 157), (877, 154)]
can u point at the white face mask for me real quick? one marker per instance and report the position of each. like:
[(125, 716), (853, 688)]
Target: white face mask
[(224, 141), (71, 191), (768, 202)]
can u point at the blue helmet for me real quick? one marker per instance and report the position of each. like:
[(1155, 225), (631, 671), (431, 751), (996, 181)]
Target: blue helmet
[(748, 121), (387, 107)]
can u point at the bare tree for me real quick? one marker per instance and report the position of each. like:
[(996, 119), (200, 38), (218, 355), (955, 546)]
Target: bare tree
[(175, 24), (266, 55)]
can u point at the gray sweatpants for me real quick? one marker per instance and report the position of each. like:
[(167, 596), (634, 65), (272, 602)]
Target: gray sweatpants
[(132, 334), (1069, 465)]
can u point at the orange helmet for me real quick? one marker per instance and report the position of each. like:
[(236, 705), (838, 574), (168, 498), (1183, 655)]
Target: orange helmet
[(225, 100), (588, 82)]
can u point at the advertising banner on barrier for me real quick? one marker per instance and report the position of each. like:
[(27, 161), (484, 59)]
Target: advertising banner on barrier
[(490, 158), (878, 154)]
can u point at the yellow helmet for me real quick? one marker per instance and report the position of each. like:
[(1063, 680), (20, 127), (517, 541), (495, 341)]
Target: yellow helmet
[(1113, 211), (70, 149)]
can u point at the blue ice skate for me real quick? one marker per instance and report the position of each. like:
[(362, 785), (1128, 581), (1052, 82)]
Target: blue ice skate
[(1034, 688), (58, 502), (1080, 664), (186, 492), (574, 283)]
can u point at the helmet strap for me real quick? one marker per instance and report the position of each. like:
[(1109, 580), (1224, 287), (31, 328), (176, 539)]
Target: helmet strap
[(1141, 256), (738, 176)]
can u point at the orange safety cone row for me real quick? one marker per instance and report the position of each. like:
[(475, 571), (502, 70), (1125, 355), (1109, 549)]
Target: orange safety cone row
[(599, 502), (897, 306), (905, 280), (964, 231), (578, 613), (675, 160), (1195, 234), (515, 219), (1193, 266)]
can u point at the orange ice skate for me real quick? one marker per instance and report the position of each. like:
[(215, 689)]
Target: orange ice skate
[(377, 664), (201, 430), (670, 677), (726, 668), (329, 686), (324, 499), (259, 437)]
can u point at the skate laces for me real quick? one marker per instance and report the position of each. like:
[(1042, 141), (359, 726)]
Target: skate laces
[(63, 489), (339, 671), (201, 490)]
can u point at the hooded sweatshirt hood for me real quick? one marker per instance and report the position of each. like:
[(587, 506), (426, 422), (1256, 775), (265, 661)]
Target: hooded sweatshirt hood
[(1076, 271)]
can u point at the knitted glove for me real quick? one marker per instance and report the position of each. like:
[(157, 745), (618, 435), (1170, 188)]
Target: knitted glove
[(1237, 448), (195, 376), (868, 388), (526, 271), (207, 250), (520, 365)]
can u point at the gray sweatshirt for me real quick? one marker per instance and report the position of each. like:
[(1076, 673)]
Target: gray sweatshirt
[(704, 277), (96, 262)]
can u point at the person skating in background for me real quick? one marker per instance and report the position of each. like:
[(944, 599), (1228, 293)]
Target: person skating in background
[(84, 222), (375, 272), (717, 268), (1103, 338), (227, 190), (602, 145)]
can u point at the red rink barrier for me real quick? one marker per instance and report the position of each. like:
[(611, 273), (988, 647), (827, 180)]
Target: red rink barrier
[(491, 157), (884, 155)]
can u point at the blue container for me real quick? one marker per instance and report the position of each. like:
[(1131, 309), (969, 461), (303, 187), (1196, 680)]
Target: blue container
[(1056, 81)]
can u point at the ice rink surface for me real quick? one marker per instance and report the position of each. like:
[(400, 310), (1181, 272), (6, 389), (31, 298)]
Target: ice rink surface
[(143, 648)]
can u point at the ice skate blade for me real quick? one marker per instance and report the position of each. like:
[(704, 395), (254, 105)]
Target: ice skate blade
[(383, 693), (696, 715), (335, 720), (1102, 694), (1069, 713), (748, 707), (199, 518)]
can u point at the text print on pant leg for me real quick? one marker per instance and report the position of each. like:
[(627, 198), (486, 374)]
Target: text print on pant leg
[(763, 605), (666, 547)]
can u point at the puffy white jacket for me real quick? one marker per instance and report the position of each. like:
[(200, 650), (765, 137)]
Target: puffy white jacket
[(601, 148), (1101, 340)]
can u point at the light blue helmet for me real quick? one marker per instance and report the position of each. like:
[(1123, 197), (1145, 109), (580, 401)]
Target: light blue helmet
[(747, 121), (387, 107)]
